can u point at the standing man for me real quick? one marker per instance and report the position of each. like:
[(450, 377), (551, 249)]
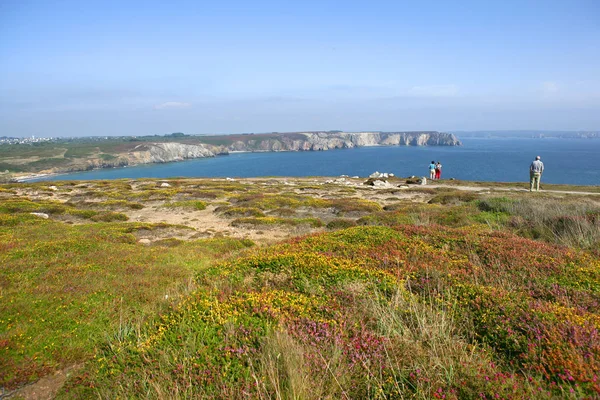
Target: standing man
[(535, 174), (432, 170)]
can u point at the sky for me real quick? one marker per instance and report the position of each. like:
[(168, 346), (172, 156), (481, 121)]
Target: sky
[(89, 68)]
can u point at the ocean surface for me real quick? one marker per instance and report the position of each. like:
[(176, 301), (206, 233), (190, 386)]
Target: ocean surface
[(568, 161)]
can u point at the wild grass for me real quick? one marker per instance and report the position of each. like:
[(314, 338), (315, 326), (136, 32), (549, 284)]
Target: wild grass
[(468, 297), (372, 312), (67, 289), (186, 204), (572, 223), (258, 221)]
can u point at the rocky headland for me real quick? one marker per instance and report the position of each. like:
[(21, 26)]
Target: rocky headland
[(319, 141), (146, 151)]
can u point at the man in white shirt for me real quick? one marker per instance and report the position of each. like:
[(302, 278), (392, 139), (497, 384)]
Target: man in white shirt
[(535, 174)]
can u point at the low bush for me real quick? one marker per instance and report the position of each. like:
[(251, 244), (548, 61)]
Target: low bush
[(187, 204), (240, 211), (454, 197), (108, 217), (257, 221), (340, 223)]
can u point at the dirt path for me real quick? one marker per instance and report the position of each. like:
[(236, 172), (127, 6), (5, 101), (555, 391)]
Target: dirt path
[(503, 189), (44, 389)]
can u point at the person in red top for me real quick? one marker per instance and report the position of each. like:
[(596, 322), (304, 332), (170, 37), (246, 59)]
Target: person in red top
[(438, 170)]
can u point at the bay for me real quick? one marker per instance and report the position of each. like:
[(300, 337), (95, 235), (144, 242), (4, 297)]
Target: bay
[(567, 161)]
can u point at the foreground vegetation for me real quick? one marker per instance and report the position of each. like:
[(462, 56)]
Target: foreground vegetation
[(418, 293)]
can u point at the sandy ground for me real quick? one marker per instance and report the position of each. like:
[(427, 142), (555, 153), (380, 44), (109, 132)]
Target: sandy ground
[(209, 223)]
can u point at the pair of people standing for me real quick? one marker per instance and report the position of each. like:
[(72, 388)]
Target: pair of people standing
[(435, 170)]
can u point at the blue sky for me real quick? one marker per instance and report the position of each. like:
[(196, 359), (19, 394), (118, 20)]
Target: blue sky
[(80, 68)]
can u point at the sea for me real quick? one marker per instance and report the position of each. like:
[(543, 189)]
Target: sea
[(567, 161)]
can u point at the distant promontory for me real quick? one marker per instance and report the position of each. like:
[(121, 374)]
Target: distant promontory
[(81, 154)]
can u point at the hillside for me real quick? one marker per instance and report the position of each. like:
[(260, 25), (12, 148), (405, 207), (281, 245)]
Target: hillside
[(298, 288), (82, 154)]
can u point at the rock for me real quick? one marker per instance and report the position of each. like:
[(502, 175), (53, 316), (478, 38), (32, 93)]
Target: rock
[(380, 183), (356, 177), (375, 174), (452, 179), (372, 181), (42, 215), (343, 176), (403, 186), (423, 181), (229, 179), (52, 188), (163, 152), (165, 184), (320, 141), (391, 175), (144, 241)]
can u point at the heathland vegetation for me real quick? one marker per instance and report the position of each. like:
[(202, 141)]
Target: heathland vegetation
[(298, 288)]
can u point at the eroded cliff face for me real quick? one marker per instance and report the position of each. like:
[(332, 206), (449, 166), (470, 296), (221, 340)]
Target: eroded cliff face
[(166, 152), (315, 141), (149, 153)]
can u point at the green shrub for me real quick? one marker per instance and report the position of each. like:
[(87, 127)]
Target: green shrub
[(189, 204), (109, 217), (341, 223), (496, 204), (454, 197), (314, 222)]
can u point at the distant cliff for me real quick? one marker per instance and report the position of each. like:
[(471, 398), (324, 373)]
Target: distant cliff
[(315, 141), (149, 153), (209, 146), (146, 150)]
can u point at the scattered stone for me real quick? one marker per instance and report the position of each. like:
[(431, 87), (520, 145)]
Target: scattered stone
[(423, 181), (339, 181), (165, 184), (356, 177), (52, 188), (42, 215), (378, 174), (403, 186), (144, 241), (343, 176), (380, 183), (372, 181), (229, 179), (452, 179), (391, 175)]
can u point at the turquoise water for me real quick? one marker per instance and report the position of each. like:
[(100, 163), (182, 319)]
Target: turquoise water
[(569, 161)]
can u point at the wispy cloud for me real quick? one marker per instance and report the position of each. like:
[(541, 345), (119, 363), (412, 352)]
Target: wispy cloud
[(172, 105), (550, 88), (434, 91)]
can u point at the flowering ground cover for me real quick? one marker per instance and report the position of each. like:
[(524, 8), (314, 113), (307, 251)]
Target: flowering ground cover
[(65, 289), (374, 312), (438, 294)]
